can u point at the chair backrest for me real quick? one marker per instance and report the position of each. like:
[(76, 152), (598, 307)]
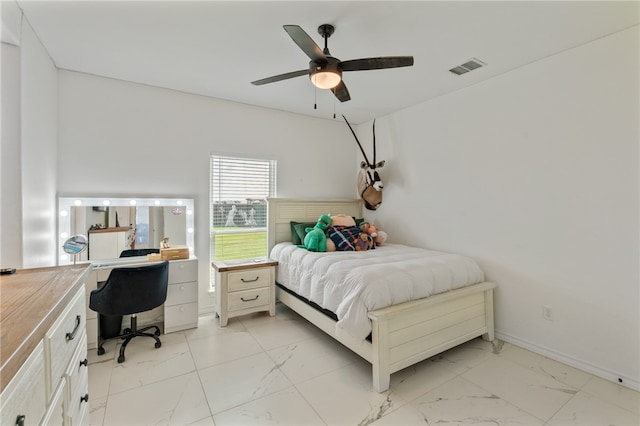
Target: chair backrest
[(132, 290), (138, 252)]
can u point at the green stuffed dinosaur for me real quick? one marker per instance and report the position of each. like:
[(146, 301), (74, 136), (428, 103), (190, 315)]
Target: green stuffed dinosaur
[(316, 240)]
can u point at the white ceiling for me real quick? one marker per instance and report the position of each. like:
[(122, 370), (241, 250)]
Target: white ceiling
[(216, 48)]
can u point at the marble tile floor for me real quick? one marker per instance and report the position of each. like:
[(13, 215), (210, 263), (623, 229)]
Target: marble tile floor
[(262, 370)]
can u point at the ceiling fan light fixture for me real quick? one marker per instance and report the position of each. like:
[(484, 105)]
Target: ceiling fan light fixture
[(326, 79)]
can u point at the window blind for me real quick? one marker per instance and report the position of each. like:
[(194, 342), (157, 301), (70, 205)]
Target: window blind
[(239, 191)]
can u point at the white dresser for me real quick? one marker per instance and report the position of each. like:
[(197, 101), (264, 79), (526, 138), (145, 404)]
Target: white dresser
[(44, 371), (180, 310)]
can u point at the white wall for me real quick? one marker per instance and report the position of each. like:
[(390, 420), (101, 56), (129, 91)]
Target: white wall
[(39, 139), (118, 138), (11, 206), (29, 133), (10, 190), (534, 173)]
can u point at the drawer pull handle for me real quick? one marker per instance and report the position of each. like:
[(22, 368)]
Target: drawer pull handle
[(249, 300), (84, 398), (20, 420), (71, 336), (250, 281), (84, 363)]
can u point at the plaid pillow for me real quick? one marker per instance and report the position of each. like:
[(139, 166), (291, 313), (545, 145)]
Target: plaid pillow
[(350, 238)]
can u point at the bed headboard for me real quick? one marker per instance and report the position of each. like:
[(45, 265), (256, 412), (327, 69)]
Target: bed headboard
[(284, 210)]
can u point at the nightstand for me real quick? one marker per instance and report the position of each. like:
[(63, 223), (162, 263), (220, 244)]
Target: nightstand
[(245, 286)]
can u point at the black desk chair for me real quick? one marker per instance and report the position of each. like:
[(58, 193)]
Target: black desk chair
[(138, 252), (131, 291)]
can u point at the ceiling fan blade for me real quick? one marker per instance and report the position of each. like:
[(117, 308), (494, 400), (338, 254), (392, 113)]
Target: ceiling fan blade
[(341, 92), (306, 43), (280, 77), (377, 63)]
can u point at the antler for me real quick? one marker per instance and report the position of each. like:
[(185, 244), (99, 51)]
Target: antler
[(374, 143), (362, 150)]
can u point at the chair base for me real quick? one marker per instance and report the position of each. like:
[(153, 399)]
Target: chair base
[(130, 333)]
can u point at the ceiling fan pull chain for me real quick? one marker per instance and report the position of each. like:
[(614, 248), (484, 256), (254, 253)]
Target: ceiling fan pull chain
[(315, 97), (334, 107)]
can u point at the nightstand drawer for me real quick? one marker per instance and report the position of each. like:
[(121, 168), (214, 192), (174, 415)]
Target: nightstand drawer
[(249, 298), (250, 278)]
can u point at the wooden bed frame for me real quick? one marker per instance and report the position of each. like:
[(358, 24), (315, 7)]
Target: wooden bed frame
[(403, 334)]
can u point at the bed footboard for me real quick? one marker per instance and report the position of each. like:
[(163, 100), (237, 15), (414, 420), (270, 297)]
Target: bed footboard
[(411, 332), (405, 334)]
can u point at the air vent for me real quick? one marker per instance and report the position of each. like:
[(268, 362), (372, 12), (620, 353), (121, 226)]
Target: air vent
[(470, 65)]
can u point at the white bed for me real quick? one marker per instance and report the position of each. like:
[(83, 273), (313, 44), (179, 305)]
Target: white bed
[(401, 334)]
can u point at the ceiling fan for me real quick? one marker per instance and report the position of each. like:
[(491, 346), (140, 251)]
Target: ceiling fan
[(325, 71)]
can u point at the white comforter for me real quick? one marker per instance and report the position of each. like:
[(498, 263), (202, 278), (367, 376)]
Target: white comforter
[(350, 284)]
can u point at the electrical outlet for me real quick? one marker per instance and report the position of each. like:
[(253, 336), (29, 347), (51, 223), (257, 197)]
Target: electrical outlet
[(547, 313)]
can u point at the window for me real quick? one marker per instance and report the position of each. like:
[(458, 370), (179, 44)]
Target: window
[(238, 211)]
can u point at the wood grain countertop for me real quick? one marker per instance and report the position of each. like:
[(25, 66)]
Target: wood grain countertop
[(104, 230), (30, 301), (234, 265)]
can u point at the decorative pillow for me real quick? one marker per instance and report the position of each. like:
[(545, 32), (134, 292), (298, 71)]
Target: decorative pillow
[(358, 221), (298, 231), (350, 238)]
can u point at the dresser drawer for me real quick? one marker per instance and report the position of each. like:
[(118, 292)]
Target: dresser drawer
[(178, 294), (249, 278), (77, 380), (78, 400), (183, 271), (178, 316), (249, 298), (81, 417), (25, 393), (55, 411), (61, 340), (77, 370)]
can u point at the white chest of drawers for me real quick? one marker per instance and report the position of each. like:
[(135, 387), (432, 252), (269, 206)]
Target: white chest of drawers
[(245, 287), (181, 306), (43, 315)]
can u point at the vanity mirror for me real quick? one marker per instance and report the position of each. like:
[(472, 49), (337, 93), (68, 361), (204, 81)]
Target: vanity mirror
[(114, 224)]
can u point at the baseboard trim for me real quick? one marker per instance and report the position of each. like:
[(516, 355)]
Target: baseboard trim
[(565, 359), (206, 310)]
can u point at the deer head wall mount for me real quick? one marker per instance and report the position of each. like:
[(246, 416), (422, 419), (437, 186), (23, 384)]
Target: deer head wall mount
[(369, 182)]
